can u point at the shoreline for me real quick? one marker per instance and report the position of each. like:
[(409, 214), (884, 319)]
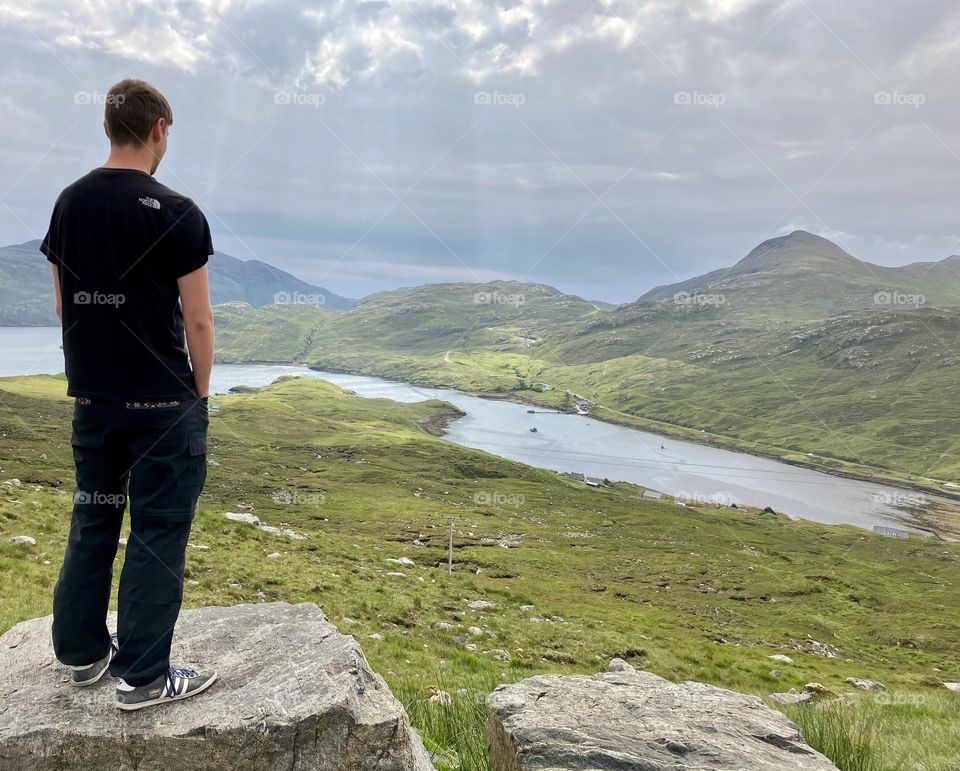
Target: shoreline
[(920, 521), (948, 530)]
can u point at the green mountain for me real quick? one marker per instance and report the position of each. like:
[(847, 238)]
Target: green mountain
[(799, 361), (26, 289), (805, 276)]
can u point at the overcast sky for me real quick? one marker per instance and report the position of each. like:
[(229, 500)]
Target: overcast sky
[(601, 147)]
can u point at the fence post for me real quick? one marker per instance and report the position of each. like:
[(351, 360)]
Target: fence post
[(450, 550)]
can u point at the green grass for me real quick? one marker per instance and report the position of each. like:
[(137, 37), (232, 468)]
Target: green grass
[(689, 593), (871, 391)]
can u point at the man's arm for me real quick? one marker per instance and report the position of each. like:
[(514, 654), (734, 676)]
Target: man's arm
[(198, 324), (56, 291)]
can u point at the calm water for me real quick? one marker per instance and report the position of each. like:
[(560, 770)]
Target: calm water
[(568, 443)]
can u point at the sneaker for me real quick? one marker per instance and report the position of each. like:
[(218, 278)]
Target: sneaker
[(91, 673), (173, 685)]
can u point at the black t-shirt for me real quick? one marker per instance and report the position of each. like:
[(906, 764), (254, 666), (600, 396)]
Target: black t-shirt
[(121, 240)]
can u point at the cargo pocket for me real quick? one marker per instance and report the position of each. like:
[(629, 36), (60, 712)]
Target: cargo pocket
[(195, 473)]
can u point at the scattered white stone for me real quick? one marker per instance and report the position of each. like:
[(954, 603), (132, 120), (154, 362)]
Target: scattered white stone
[(817, 689), (480, 604), (474, 630), (499, 654), (527, 607), (952, 686), (193, 583), (274, 556), (776, 673), (491, 634), (402, 561), (347, 620), (123, 542), (781, 657), (818, 648), (867, 685), (470, 646), (396, 573), (536, 619), (198, 546), (791, 697), (250, 519), (375, 636), (619, 665), (24, 540), (443, 626), (440, 697)]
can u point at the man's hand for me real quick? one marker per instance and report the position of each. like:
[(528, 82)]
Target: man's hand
[(56, 291), (198, 324)]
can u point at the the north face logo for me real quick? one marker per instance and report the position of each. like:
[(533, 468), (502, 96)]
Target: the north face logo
[(153, 203)]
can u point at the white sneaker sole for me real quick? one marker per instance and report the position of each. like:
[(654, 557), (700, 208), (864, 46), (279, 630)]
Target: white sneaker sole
[(167, 699), (98, 678)]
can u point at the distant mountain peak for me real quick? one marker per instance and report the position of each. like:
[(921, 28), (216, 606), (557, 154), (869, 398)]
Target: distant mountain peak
[(799, 248)]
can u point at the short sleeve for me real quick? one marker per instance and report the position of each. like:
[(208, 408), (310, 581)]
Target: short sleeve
[(189, 244), (50, 246)]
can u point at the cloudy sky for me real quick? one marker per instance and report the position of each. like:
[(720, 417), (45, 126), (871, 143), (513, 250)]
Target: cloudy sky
[(603, 147)]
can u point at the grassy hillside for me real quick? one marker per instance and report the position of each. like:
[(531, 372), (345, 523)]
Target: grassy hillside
[(802, 276), (689, 593), (871, 391)]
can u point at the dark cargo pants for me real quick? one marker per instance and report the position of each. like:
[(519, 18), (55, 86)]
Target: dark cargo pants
[(154, 454)]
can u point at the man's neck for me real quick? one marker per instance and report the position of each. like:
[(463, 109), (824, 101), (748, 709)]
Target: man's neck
[(129, 158)]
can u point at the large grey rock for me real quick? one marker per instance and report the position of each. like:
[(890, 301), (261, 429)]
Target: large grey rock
[(633, 720), (293, 694)]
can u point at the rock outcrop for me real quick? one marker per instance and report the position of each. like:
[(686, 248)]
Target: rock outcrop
[(293, 693), (627, 719)]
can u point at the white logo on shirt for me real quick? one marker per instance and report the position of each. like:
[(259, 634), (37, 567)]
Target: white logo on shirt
[(153, 203)]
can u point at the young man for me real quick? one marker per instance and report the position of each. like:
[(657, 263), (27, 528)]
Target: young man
[(129, 268)]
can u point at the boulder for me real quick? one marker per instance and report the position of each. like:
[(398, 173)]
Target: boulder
[(292, 693), (867, 685), (629, 719)]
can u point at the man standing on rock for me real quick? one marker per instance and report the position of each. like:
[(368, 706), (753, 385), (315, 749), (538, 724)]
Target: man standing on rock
[(129, 262)]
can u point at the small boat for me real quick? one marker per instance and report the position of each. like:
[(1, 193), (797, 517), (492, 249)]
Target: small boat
[(533, 429), (530, 412)]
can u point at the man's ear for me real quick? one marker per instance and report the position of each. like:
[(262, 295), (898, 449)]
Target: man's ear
[(106, 130), (159, 129)]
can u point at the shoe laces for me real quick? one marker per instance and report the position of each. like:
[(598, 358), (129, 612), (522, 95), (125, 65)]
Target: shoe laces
[(183, 672)]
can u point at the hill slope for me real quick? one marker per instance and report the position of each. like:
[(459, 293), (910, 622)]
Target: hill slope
[(869, 389), (701, 593), (26, 289), (802, 276)]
